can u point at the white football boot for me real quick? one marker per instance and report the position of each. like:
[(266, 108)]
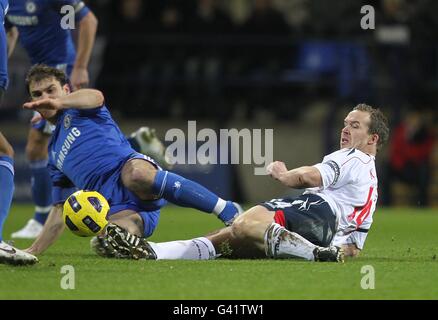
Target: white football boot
[(151, 146), (12, 255), (31, 230)]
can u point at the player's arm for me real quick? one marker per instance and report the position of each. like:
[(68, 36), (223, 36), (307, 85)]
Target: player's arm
[(52, 229), (82, 99), (12, 34), (54, 226), (86, 37), (299, 178)]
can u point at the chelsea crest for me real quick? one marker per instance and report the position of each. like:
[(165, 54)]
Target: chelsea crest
[(30, 7), (67, 121)]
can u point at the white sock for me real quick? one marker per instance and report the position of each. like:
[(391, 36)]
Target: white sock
[(286, 244), (194, 249), (220, 206)]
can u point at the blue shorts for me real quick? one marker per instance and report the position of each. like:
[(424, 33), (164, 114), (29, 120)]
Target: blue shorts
[(120, 198)]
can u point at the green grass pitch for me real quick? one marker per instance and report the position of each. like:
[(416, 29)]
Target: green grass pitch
[(402, 248)]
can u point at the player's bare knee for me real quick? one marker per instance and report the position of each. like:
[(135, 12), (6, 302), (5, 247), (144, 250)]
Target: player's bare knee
[(240, 229), (138, 176)]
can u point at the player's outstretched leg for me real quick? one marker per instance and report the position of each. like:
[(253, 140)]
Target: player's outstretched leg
[(142, 178), (117, 242), (187, 193), (283, 244), (41, 184), (9, 254), (6, 180)]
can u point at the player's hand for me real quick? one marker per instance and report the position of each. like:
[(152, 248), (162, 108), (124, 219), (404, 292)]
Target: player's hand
[(79, 78), (47, 108), (43, 104), (276, 169)]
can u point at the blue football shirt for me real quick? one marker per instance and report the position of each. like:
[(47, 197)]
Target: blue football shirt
[(40, 31), (87, 146), (88, 151)]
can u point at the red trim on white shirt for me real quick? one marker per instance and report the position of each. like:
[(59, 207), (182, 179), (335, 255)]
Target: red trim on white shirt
[(359, 160), (365, 210)]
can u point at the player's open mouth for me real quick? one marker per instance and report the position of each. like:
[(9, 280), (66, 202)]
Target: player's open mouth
[(344, 140)]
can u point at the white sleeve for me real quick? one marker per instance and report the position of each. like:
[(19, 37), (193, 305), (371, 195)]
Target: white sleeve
[(356, 237), (330, 171), (337, 171)]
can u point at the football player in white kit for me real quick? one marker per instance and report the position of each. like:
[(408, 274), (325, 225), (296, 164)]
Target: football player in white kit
[(329, 220)]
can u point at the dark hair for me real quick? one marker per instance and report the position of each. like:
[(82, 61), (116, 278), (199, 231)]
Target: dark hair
[(378, 124), (40, 72)]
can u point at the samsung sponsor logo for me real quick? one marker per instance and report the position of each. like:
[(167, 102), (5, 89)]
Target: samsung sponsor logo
[(23, 20), (68, 142)]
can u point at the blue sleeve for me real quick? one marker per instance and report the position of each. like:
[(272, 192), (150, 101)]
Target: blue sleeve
[(98, 111), (62, 186), (3, 50), (81, 10)]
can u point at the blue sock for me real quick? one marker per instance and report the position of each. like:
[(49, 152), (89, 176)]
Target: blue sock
[(41, 190), (187, 193), (134, 144), (6, 189)]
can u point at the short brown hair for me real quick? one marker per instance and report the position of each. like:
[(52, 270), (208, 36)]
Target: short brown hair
[(40, 72), (378, 124)]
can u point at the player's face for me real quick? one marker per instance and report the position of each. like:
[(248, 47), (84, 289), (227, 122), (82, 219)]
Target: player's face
[(48, 88), (355, 132)]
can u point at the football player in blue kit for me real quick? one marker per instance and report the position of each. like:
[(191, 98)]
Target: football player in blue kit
[(38, 26), (8, 254), (88, 151)]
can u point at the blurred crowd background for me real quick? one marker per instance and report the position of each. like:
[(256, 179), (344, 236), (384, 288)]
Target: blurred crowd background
[(297, 64)]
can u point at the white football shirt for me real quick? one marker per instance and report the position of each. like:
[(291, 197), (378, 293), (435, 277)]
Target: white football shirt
[(350, 188)]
